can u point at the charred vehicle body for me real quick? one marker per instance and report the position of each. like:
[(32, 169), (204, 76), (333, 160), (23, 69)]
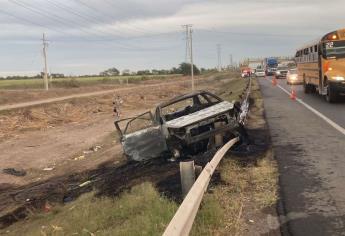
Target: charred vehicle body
[(186, 125)]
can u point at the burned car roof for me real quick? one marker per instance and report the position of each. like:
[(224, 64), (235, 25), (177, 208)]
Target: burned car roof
[(185, 96), (200, 115)]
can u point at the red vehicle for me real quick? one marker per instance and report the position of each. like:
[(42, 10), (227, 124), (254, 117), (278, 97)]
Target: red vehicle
[(246, 73)]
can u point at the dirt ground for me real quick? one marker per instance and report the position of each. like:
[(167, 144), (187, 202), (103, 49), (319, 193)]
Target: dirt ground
[(13, 96), (62, 145), (67, 152), (40, 137)]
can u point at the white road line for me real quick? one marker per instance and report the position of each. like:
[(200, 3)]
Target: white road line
[(319, 114)]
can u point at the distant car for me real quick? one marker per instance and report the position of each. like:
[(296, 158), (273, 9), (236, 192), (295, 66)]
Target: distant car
[(292, 77), (281, 72), (260, 73), (270, 71), (245, 73)]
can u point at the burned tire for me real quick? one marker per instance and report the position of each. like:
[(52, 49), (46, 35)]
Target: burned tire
[(240, 132)]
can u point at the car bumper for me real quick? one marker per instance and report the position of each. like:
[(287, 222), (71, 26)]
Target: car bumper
[(281, 76), (293, 81), (338, 87)]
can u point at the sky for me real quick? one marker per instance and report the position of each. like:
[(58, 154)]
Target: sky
[(89, 36)]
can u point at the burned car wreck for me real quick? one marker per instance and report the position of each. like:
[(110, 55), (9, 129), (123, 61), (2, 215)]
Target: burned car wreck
[(185, 125)]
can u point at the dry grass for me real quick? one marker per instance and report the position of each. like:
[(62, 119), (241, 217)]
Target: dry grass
[(245, 189), (141, 211), (240, 185), (79, 81)]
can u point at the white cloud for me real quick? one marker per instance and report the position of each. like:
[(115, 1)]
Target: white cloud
[(132, 33)]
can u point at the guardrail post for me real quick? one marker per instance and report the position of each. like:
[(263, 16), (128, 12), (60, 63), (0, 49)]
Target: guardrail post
[(187, 173), (218, 138), (198, 170)]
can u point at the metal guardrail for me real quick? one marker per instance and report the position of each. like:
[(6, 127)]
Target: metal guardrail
[(182, 222), (245, 104)]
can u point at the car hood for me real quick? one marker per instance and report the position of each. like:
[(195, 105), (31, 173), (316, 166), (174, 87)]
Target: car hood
[(200, 115)]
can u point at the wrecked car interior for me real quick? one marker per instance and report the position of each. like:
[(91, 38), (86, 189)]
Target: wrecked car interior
[(183, 126)]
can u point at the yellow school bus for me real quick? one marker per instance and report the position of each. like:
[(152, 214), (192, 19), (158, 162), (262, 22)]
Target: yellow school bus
[(321, 65)]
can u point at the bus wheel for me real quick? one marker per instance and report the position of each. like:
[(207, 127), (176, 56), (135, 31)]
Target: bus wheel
[(331, 95), (306, 87)]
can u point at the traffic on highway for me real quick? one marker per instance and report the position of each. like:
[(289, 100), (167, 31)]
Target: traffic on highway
[(304, 100)]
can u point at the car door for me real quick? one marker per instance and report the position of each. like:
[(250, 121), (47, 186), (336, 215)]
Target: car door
[(141, 137)]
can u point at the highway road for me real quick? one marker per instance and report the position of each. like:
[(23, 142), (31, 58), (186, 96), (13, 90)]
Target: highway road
[(308, 138)]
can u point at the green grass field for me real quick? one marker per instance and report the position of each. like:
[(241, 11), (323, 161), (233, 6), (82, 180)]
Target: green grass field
[(77, 81)]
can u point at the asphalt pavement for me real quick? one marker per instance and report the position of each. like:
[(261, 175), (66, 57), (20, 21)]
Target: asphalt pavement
[(310, 149)]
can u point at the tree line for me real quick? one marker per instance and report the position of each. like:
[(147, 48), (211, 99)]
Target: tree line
[(183, 69)]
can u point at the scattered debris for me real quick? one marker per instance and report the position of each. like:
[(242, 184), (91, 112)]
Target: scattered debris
[(85, 183), (87, 152), (91, 150), (48, 169), (47, 207), (90, 233), (15, 172), (117, 104), (56, 228), (67, 199), (79, 158), (96, 148), (251, 221)]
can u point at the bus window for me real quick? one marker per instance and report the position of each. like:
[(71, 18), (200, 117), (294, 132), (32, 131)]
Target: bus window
[(315, 48), (335, 49)]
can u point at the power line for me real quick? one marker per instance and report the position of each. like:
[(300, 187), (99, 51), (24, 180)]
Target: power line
[(109, 17), (231, 33), (191, 56), (187, 30), (86, 17), (219, 57), (45, 45), (61, 22), (55, 17), (138, 29)]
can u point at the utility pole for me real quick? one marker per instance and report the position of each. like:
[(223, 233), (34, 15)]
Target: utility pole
[(191, 57), (45, 44), (187, 55), (219, 57)]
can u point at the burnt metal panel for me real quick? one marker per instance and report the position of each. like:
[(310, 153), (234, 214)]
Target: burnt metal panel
[(200, 115), (144, 144)]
